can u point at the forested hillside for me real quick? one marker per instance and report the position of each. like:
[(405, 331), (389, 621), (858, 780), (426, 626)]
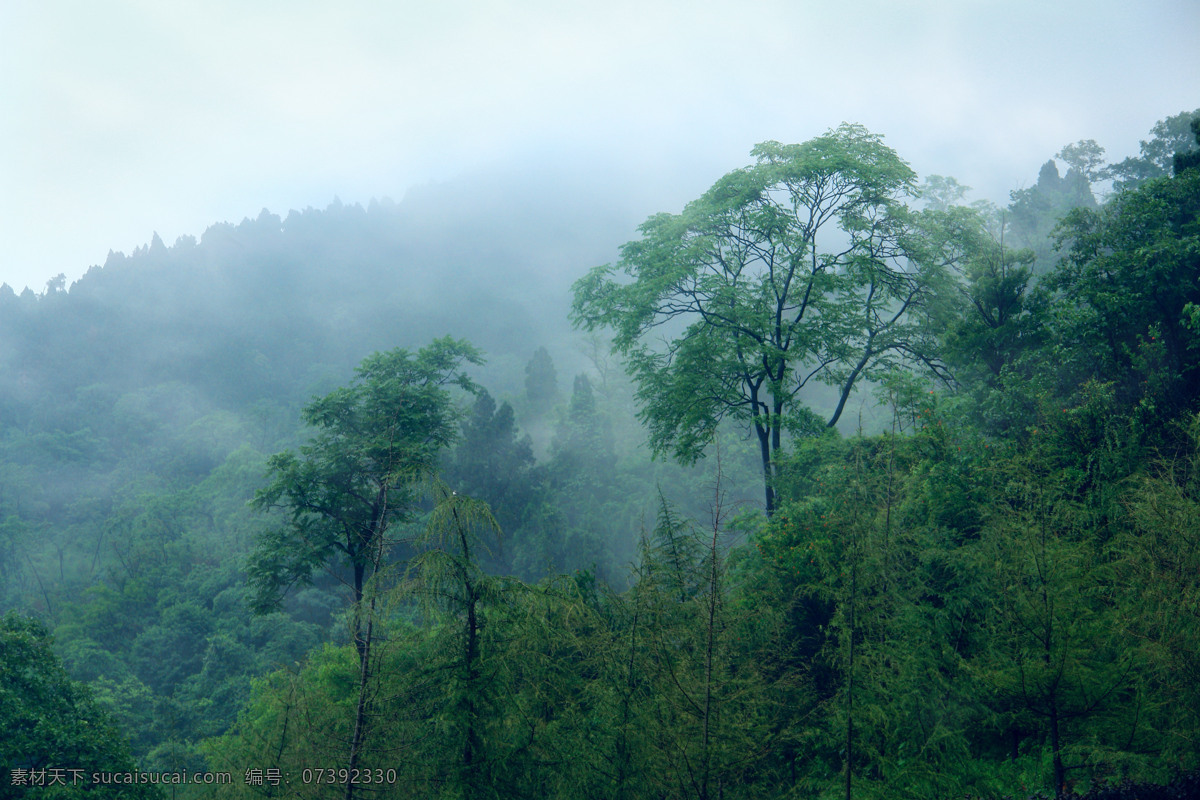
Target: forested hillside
[(364, 502)]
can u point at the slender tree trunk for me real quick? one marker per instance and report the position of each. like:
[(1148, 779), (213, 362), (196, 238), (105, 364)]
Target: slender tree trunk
[(848, 386), (1048, 659), (623, 755), (706, 742), (361, 711), (850, 681), (472, 749), (714, 588), (855, 553), (1060, 772), (776, 429), (471, 745), (764, 446), (38, 578), (360, 577), (363, 638)]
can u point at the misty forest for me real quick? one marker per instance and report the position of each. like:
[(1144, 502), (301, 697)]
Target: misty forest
[(833, 483)]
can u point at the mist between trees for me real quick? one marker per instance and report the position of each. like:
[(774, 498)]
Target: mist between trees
[(842, 486)]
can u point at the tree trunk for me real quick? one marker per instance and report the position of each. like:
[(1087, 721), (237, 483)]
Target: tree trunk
[(472, 748), (764, 446), (850, 681), (360, 714), (363, 639), (471, 744), (1060, 772)]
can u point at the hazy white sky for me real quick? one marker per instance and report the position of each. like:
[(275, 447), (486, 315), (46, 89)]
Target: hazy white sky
[(124, 117)]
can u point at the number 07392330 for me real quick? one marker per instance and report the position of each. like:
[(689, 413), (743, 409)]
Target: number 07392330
[(321, 775)]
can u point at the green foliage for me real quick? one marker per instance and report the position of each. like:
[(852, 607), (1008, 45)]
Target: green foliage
[(1085, 157), (582, 503), (1188, 159), (878, 604), (276, 727), (427, 691), (1057, 664), (376, 439), (350, 483), (495, 465), (1034, 212), (993, 327), (49, 722), (798, 268), (942, 193), (1155, 159), (1127, 280), (995, 597), (1160, 570)]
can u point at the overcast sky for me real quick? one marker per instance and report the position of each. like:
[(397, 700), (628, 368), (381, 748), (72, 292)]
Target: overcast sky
[(119, 118)]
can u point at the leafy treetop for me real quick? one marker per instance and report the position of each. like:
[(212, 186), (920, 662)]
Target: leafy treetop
[(801, 266)]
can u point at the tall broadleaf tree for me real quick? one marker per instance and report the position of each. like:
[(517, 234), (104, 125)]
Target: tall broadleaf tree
[(803, 267), (355, 480)]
